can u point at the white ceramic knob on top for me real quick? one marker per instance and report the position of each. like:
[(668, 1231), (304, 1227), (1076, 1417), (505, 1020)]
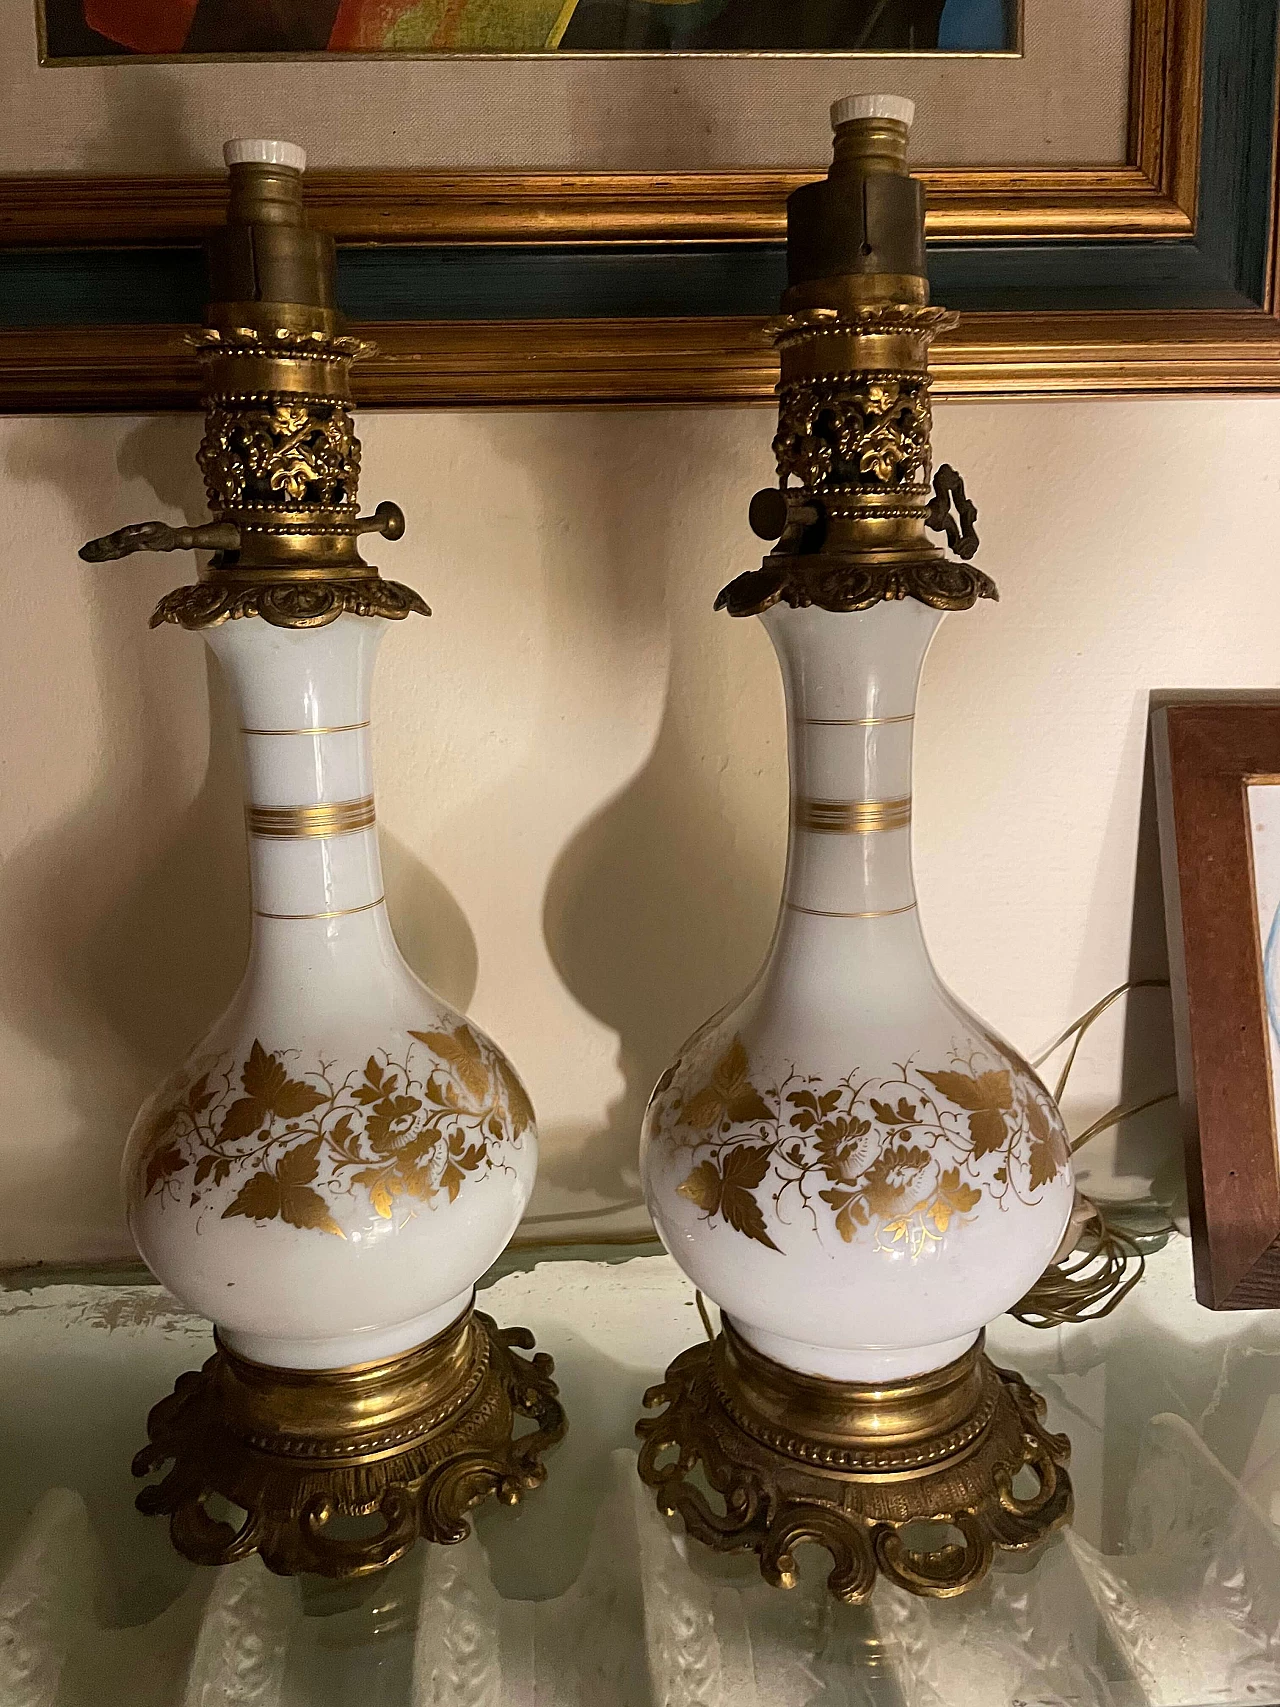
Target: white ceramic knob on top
[(344, 1155), (244, 151), (872, 107), (849, 1162)]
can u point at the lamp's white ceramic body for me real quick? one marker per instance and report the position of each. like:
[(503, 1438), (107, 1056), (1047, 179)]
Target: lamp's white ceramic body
[(343, 1156), (847, 1160)]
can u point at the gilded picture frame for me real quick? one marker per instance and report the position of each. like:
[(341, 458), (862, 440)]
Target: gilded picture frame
[(597, 288)]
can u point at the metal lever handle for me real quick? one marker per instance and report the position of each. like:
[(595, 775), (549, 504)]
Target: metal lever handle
[(387, 519), (787, 515), (159, 536), (948, 488)]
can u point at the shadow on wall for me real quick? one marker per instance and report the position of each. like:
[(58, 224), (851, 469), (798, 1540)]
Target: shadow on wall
[(122, 940), (431, 929), (129, 920), (658, 909), (151, 102), (1150, 1146)]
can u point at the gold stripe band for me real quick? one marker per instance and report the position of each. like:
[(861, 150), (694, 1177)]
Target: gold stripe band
[(851, 817), (314, 729), (337, 913), (855, 722), (823, 913), (326, 818)]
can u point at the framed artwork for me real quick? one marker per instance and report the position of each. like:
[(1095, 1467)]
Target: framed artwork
[(88, 30), (1217, 772), (586, 224)]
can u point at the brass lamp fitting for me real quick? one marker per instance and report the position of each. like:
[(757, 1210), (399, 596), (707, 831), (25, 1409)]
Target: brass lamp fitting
[(853, 499), (280, 456)]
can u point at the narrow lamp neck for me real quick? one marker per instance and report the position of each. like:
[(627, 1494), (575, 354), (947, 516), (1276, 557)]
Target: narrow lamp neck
[(851, 682), (303, 699)]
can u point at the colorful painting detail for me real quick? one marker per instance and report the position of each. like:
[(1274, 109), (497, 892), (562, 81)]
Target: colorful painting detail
[(897, 1159), (107, 29), (402, 1133)]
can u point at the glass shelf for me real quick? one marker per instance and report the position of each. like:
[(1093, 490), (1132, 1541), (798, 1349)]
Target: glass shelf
[(1166, 1590)]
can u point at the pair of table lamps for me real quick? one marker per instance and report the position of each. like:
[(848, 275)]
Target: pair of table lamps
[(847, 1161)]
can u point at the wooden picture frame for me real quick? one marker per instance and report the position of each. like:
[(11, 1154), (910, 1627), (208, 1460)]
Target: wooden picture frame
[(626, 288), (1208, 752)]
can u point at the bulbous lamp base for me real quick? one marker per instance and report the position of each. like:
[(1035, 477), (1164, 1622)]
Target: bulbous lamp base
[(414, 1441), (854, 1467)]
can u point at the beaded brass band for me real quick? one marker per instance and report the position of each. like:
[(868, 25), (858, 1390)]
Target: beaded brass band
[(325, 818), (851, 817)]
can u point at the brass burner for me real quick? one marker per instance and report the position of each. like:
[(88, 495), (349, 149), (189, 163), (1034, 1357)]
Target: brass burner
[(851, 1466), (417, 1439)]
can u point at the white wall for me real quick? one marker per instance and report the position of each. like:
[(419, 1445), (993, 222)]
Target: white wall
[(581, 767)]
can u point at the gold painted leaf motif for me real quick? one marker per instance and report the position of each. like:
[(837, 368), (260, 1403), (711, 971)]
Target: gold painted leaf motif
[(954, 1198), (285, 1193), (1047, 1152), (518, 1105), (808, 1108), (461, 1050), (896, 1160), (380, 1129), (987, 1096), (725, 1188), (729, 1096), (269, 1091), (163, 1164), (905, 1114), (851, 1211)]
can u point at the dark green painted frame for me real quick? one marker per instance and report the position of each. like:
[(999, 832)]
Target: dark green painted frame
[(1224, 266)]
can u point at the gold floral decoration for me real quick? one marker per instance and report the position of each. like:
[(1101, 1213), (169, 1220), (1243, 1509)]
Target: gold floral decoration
[(842, 432), (899, 1159), (286, 452), (258, 1139)]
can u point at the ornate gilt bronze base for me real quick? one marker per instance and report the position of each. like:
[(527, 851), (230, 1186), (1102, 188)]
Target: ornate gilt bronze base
[(853, 1467), (413, 1443)]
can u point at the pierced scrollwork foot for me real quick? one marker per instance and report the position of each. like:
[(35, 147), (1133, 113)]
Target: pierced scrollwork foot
[(409, 1446), (913, 1481)]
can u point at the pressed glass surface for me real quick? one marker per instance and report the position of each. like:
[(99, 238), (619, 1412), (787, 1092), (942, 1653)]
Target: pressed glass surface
[(1166, 1590)]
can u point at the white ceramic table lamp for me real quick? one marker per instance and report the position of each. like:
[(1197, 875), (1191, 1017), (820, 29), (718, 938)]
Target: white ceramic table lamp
[(848, 1161), (343, 1156)]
